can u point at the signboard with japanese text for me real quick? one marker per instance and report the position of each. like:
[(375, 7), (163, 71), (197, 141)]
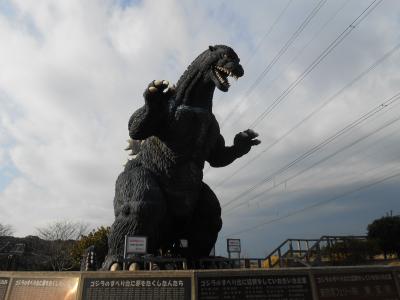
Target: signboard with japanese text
[(149, 288), (233, 245), (184, 243), (289, 287), (44, 288), (4, 282), (356, 286), (136, 244)]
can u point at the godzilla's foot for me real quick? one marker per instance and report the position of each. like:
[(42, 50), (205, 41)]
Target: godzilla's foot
[(158, 93), (115, 267), (134, 266), (112, 263)]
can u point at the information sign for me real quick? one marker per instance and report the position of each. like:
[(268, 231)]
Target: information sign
[(268, 287), (149, 288), (135, 245), (4, 281), (184, 243), (44, 288), (356, 286), (233, 245)]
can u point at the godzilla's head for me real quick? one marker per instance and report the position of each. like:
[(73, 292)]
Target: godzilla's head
[(215, 65), (219, 63), (209, 70)]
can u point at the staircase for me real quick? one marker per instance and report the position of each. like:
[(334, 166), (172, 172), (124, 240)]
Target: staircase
[(305, 252)]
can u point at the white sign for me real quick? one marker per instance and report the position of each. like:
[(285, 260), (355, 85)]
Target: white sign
[(135, 245), (184, 243), (233, 245)]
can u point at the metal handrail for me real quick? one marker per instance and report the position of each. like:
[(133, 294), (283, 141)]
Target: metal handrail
[(303, 259)]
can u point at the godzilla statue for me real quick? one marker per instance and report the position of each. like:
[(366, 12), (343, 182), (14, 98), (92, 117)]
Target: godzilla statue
[(160, 194)]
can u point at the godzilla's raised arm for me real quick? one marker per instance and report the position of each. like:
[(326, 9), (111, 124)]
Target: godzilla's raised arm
[(222, 155), (143, 123), (149, 119)]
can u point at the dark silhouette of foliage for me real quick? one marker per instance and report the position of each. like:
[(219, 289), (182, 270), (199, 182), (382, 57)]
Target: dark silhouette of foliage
[(6, 230), (97, 238), (351, 252), (386, 232)]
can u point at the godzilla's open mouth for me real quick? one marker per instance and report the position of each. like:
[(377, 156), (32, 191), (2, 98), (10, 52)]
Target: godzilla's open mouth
[(222, 76)]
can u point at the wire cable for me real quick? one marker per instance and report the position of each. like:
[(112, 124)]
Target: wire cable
[(282, 51), (269, 31), (321, 145), (315, 164), (314, 112), (320, 203), (316, 62), (299, 52)]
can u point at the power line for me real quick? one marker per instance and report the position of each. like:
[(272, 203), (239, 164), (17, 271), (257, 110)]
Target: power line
[(282, 51), (320, 203), (314, 149), (316, 62), (271, 28), (315, 164), (314, 112), (302, 49)]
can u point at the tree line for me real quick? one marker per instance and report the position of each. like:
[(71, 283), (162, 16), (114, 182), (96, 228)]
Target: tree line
[(64, 243)]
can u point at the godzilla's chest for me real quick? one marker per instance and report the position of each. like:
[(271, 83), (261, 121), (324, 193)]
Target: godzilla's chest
[(191, 132)]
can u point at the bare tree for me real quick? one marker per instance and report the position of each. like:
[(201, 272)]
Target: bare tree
[(62, 230), (6, 230), (61, 236)]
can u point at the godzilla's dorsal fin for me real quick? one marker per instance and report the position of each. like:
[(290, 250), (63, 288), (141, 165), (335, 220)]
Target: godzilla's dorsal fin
[(134, 146)]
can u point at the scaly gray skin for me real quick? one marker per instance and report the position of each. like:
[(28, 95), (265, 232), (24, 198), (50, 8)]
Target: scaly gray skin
[(160, 194)]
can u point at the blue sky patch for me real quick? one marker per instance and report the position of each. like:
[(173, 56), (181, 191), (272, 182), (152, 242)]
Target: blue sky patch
[(7, 8), (127, 3), (7, 173)]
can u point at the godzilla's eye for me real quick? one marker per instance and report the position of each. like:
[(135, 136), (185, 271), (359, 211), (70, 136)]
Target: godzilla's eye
[(225, 56)]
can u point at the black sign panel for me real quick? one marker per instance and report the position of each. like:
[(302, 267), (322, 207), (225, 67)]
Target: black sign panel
[(356, 286), (44, 288), (4, 281), (160, 288), (290, 287)]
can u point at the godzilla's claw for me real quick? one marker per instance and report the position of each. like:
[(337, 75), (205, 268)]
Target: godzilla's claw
[(251, 136), (158, 93), (152, 89), (251, 133), (157, 83), (245, 140)]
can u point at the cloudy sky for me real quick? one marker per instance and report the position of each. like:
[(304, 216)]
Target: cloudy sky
[(316, 88)]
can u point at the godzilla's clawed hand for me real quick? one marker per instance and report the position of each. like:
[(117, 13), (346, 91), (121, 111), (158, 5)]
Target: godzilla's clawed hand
[(158, 93), (245, 140)]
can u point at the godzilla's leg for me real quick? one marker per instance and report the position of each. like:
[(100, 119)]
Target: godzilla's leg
[(205, 225), (139, 207)]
